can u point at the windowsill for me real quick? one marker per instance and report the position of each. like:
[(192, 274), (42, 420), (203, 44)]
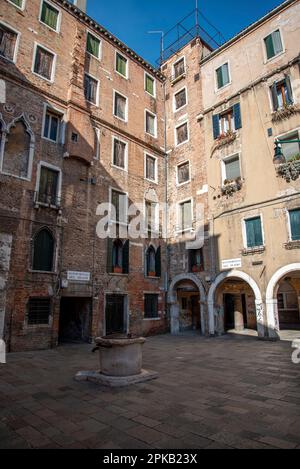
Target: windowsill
[(184, 183), (151, 95), (93, 56), (177, 79), (12, 61), (121, 75), (43, 205), (42, 272), (290, 245), (38, 326), (125, 121), (125, 170), (49, 81), (274, 57), (57, 31), (118, 275), (50, 140), (150, 135), (182, 143), (255, 250), (152, 319), (151, 180), (152, 278), (17, 177), (180, 108), (218, 90)]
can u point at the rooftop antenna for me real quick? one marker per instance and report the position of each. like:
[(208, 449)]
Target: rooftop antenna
[(161, 43), (197, 19)]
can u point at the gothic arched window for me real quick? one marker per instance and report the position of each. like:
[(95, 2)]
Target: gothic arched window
[(43, 251)]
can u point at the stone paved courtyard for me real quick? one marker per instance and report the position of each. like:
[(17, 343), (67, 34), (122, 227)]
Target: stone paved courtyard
[(229, 392)]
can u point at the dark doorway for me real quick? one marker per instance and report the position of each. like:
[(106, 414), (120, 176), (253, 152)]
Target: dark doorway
[(196, 320), (229, 309), (75, 320), (115, 315)]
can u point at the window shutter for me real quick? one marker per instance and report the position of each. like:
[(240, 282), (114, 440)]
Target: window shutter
[(269, 46), (158, 262), (274, 96), (237, 116), (126, 257), (277, 43), (289, 89), (216, 126), (109, 255), (295, 224)]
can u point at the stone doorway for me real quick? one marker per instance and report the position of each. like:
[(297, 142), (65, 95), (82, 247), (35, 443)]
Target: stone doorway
[(75, 320)]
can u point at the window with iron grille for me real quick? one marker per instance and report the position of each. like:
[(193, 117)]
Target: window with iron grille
[(180, 99), (8, 40), (39, 311), (151, 306), (43, 64), (183, 172), (91, 89)]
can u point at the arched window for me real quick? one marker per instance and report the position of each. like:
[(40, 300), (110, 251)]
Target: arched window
[(118, 256), (153, 262), (17, 150), (43, 251)]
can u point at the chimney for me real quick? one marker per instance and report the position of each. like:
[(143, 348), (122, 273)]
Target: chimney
[(81, 4)]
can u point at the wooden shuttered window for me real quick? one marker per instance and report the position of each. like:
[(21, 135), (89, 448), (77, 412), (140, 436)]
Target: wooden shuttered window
[(43, 251), (235, 111), (49, 16), (282, 94), (121, 65), (93, 45), (151, 306), (295, 224), (273, 44), (149, 85), (254, 232)]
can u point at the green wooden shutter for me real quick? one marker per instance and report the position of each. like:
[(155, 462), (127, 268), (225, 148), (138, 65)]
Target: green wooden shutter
[(237, 116), (126, 257), (254, 232), (158, 262), (93, 45), (216, 125), (274, 96), (43, 251), (295, 224), (149, 85), (49, 15), (220, 77), (109, 255), (277, 43), (269, 46)]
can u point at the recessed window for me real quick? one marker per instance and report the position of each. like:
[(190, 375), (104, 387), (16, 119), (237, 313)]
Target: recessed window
[(48, 186), (151, 222), (185, 216), (282, 94), (118, 256), (151, 170), (290, 150), (232, 170), (119, 201), (295, 224), (93, 45), (151, 306), (149, 84), (43, 251), (121, 65), (223, 76), (8, 41), (183, 172), (91, 89), (119, 153), (153, 262), (18, 3), (182, 133), (227, 122), (44, 63), (150, 124), (18, 150), (39, 311), (180, 99), (196, 260), (273, 44), (254, 234), (50, 15), (52, 126), (179, 68), (120, 106)]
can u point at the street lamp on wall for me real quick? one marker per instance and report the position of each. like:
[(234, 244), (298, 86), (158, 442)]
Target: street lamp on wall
[(279, 157)]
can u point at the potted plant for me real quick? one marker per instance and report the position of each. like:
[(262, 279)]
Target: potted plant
[(196, 268), (151, 274), (118, 270)]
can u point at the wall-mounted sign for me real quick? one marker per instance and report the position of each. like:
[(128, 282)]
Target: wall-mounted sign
[(231, 264), (78, 276)]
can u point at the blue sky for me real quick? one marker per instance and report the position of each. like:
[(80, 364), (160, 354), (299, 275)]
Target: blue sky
[(130, 20)]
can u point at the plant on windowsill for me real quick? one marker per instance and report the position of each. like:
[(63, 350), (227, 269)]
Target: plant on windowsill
[(151, 274), (224, 139), (290, 245), (118, 270), (254, 250), (290, 171), (231, 186), (285, 112), (196, 269)]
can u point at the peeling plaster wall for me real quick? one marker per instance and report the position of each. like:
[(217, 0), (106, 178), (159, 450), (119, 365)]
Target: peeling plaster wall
[(5, 252)]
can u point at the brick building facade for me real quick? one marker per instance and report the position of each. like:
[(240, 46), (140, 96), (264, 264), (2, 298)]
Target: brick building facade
[(85, 121)]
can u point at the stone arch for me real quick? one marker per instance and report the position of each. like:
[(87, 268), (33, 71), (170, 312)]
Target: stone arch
[(172, 300), (271, 298), (22, 149), (258, 298)]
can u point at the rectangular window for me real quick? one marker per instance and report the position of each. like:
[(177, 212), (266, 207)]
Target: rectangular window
[(48, 186), (183, 172), (150, 222), (282, 94), (151, 306), (150, 168), (254, 232), (119, 153), (39, 311), (49, 15), (18, 3), (196, 260), (43, 63), (179, 68), (8, 41), (119, 201), (185, 216), (149, 84), (223, 76), (295, 224), (91, 89), (180, 99), (120, 107), (52, 126), (182, 133), (290, 150), (232, 170), (121, 65), (150, 124), (93, 45), (273, 44), (227, 122)]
